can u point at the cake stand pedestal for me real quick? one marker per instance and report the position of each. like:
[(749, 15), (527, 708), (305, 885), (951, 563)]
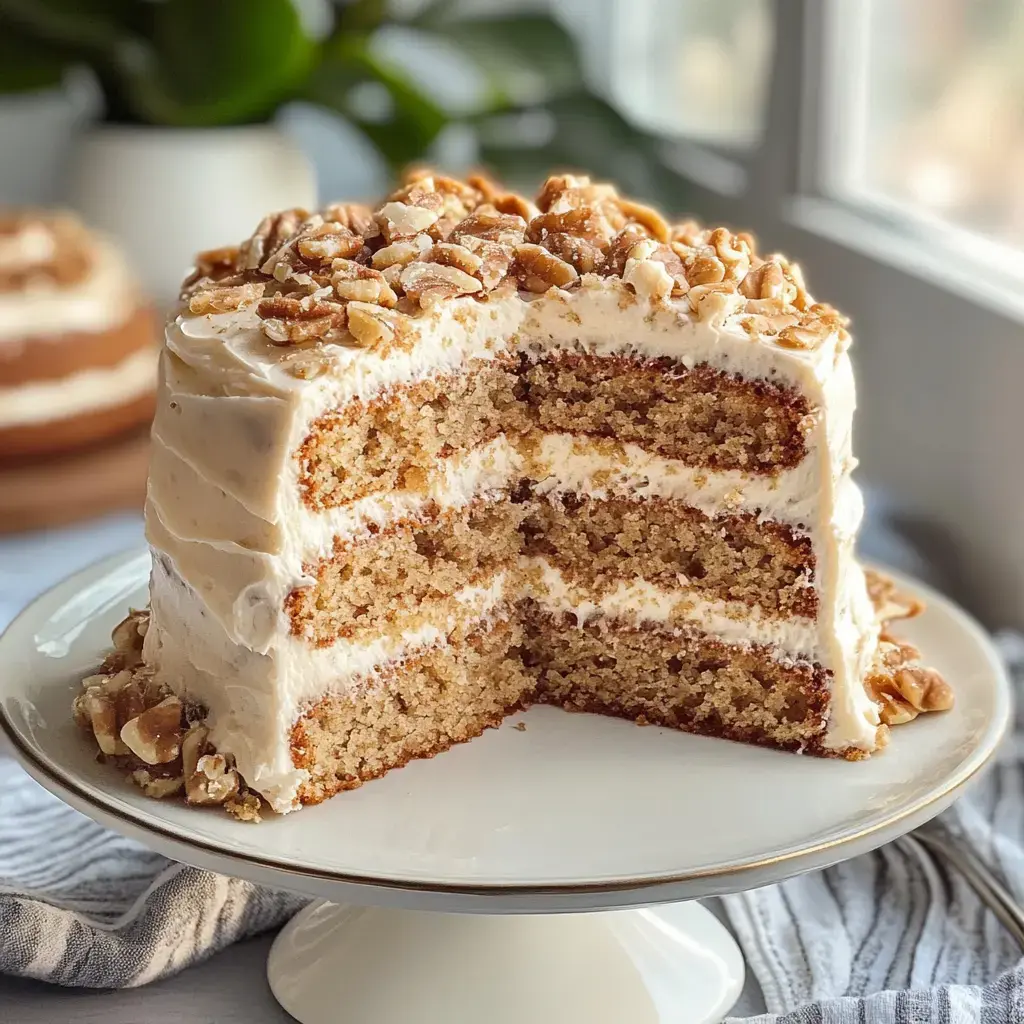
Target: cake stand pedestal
[(544, 872), (366, 965)]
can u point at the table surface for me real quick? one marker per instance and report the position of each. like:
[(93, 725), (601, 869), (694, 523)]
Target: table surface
[(231, 987)]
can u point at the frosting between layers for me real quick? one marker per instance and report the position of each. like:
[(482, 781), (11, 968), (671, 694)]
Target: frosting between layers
[(99, 387), (638, 601)]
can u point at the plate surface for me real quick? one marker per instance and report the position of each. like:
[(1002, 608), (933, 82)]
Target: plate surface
[(572, 804)]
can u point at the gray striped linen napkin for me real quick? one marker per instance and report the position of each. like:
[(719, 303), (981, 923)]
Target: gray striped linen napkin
[(888, 938)]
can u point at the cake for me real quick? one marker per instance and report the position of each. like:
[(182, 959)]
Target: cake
[(417, 467), (78, 348)]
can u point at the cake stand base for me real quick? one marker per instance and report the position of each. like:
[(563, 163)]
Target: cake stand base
[(336, 964)]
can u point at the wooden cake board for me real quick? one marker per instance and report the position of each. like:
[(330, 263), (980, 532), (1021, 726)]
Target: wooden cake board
[(66, 489)]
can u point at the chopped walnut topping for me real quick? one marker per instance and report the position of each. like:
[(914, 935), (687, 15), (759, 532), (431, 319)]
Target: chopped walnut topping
[(648, 277), (271, 234), (371, 327), (402, 220), (356, 217), (450, 254), (245, 807), (402, 252), (619, 249), (496, 259), (329, 241), (436, 238), (905, 692), (538, 270), (154, 736), (585, 254), (289, 320), (582, 221), (515, 205), (431, 283), (491, 226), (651, 221), (354, 282), (158, 787), (225, 300)]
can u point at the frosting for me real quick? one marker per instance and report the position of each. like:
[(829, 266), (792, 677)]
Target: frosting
[(225, 507), (90, 390), (103, 298)]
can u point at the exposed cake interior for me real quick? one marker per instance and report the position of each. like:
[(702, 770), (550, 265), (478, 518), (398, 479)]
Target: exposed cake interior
[(495, 455)]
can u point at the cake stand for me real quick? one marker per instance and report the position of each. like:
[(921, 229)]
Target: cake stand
[(544, 872)]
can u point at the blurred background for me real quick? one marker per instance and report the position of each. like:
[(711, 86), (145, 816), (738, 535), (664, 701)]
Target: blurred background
[(880, 143)]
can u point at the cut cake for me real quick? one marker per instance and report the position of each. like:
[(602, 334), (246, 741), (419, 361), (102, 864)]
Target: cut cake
[(420, 466)]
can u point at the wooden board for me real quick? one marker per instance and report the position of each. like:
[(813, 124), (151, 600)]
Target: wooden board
[(55, 492)]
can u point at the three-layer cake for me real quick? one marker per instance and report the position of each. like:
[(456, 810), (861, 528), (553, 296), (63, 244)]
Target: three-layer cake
[(420, 466)]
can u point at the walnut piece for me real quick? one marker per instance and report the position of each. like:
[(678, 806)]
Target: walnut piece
[(225, 300), (155, 735), (431, 283), (355, 283), (159, 787), (287, 320), (538, 270)]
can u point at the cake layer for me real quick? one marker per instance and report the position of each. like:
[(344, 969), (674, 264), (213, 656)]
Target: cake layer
[(412, 708), (391, 577), (395, 440), (684, 680), (600, 542), (701, 416), (58, 356)]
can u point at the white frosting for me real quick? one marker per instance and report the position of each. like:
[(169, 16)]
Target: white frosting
[(225, 503), (104, 298), (90, 390)]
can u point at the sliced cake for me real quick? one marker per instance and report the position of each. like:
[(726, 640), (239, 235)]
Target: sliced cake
[(419, 466)]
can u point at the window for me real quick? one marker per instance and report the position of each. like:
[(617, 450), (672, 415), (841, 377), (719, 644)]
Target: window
[(936, 93), (697, 69)]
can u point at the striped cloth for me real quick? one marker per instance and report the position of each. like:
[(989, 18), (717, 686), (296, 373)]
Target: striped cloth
[(80, 906)]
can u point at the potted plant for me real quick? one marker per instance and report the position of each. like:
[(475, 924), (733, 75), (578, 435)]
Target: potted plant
[(187, 153)]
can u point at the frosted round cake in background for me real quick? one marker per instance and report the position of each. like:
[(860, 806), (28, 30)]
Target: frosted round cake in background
[(77, 341)]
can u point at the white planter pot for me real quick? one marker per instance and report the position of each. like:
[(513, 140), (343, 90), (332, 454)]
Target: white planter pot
[(167, 193)]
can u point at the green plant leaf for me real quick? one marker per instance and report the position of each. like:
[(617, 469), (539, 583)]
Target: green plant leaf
[(407, 129), (94, 27), (27, 64), (526, 59), (583, 133), (360, 15), (225, 62)]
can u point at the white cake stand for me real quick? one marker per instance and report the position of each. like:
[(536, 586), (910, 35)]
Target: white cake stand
[(454, 890)]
